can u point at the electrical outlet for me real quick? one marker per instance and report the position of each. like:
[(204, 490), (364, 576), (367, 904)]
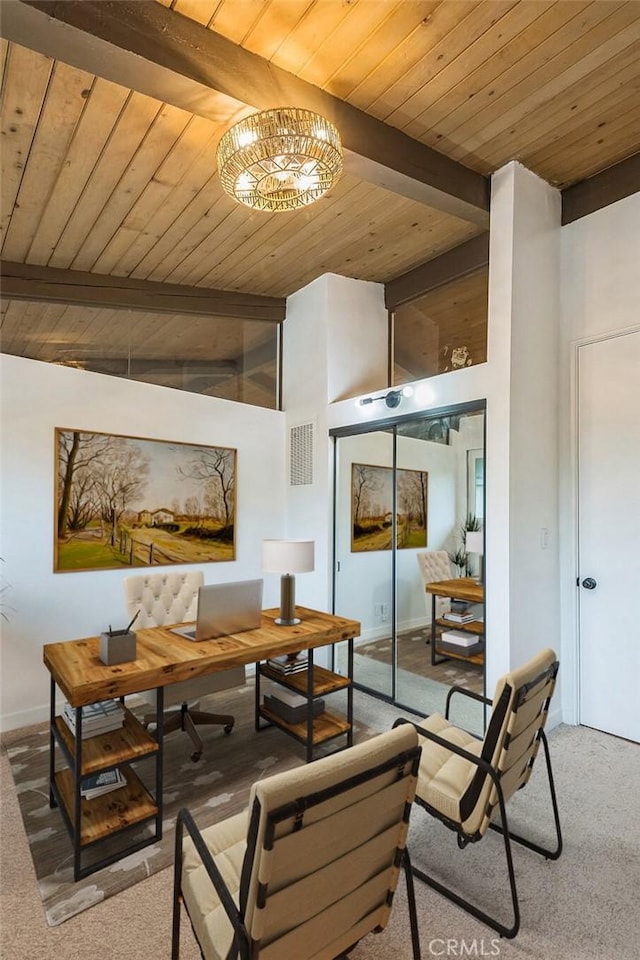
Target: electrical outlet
[(385, 612), (377, 610)]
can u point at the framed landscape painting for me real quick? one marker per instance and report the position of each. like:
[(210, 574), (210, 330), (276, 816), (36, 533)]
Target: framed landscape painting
[(130, 502), (372, 506)]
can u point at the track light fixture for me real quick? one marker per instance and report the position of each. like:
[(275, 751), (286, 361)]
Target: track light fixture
[(392, 399)]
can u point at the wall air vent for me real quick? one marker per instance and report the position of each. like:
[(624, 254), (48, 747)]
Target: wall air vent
[(301, 454)]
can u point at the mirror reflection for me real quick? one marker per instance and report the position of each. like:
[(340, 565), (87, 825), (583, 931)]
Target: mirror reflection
[(407, 498)]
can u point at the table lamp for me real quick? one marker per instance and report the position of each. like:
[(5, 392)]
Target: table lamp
[(474, 543), (287, 557)]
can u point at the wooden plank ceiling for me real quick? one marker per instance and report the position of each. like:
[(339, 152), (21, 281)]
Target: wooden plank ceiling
[(103, 178)]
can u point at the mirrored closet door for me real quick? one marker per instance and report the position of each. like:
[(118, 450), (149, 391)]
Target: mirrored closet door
[(406, 494)]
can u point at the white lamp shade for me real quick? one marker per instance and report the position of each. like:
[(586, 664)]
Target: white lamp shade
[(474, 541), (288, 556)]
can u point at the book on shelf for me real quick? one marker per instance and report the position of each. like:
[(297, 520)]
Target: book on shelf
[(287, 664), (459, 617), (458, 639), (99, 783), (96, 717)]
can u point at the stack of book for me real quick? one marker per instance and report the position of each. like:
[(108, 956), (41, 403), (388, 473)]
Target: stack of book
[(96, 717), (289, 663), (290, 706), (99, 783), (461, 612), (464, 644)]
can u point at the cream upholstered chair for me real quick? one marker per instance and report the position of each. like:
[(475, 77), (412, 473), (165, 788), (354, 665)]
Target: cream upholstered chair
[(434, 565), (168, 598), (311, 866), (466, 782)]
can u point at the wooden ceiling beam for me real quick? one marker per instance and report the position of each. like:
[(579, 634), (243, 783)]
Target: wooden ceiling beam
[(24, 281), (462, 260), (617, 182), (152, 49)]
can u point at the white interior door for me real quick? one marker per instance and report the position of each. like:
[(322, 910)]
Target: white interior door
[(609, 534)]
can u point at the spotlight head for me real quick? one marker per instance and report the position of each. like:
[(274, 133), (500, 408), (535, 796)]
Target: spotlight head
[(393, 398)]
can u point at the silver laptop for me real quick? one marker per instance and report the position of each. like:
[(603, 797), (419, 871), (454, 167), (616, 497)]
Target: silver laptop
[(225, 608)]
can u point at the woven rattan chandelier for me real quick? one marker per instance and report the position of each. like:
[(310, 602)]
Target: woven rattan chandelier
[(280, 160)]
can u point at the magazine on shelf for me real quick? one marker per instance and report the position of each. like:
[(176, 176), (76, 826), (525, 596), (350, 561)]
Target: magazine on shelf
[(99, 783)]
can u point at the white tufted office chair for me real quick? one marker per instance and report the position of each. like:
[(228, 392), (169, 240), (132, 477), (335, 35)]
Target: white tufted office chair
[(167, 598), (434, 565)]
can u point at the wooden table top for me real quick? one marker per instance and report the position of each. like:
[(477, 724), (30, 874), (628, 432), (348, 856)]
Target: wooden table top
[(464, 588), (163, 658)]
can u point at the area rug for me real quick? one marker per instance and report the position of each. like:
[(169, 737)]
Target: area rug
[(214, 788)]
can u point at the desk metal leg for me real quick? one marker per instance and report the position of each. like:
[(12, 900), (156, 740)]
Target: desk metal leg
[(257, 698), (52, 743), (77, 809), (159, 758), (433, 629), (350, 691), (310, 705)]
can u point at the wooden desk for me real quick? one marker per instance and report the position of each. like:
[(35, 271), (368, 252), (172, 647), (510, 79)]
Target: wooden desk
[(163, 658), (461, 588)]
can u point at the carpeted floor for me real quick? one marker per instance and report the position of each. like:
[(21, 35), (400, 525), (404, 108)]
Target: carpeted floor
[(214, 788), (582, 907)]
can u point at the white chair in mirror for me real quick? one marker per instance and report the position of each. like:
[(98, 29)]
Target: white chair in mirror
[(434, 565), (161, 599)]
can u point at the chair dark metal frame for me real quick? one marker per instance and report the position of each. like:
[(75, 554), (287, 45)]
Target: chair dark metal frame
[(243, 948), (503, 827)]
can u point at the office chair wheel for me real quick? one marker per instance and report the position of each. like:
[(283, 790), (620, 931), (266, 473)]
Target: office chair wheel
[(228, 728), (195, 756)]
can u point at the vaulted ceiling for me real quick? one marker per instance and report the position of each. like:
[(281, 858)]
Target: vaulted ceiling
[(112, 111)]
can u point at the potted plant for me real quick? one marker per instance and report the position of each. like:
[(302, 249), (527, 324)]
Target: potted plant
[(460, 558)]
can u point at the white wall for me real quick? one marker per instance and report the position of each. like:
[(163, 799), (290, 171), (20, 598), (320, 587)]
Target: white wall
[(519, 383), (600, 258), (525, 242), (46, 607), (334, 341)]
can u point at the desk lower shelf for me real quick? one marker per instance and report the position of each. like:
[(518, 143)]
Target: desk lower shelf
[(129, 742), (477, 658), (326, 726), (312, 683), (109, 813), (324, 681)]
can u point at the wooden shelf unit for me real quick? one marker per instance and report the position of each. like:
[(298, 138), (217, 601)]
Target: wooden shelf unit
[(464, 588), (92, 820), (312, 683)]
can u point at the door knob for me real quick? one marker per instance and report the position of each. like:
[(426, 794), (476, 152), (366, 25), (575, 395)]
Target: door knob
[(589, 583)]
